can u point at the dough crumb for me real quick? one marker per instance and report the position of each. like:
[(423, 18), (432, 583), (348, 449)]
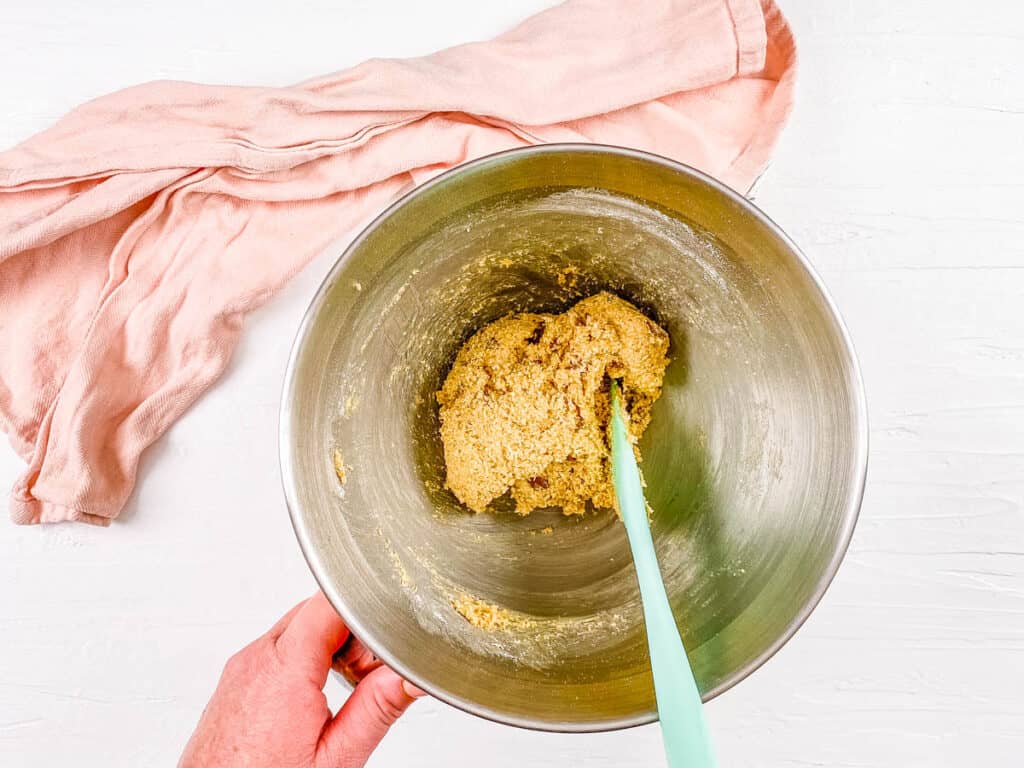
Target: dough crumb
[(569, 277), (351, 403), (487, 616), (339, 466), (525, 407)]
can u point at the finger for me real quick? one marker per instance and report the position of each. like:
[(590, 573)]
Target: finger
[(279, 627), (312, 637), (376, 703), (355, 661)]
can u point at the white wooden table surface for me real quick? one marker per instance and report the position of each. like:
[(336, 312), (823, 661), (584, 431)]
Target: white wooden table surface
[(901, 175)]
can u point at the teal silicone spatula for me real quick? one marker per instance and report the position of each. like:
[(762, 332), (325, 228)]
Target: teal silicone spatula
[(687, 743)]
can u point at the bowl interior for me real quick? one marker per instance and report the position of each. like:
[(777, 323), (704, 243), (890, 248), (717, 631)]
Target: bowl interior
[(754, 459)]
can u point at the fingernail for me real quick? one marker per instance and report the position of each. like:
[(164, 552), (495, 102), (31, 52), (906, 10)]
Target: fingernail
[(412, 691)]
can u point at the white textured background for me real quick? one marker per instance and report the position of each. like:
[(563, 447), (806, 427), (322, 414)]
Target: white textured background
[(901, 175)]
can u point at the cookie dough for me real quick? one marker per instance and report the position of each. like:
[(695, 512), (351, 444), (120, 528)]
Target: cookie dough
[(526, 405)]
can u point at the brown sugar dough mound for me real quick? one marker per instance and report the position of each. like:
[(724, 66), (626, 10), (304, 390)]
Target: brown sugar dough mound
[(526, 404)]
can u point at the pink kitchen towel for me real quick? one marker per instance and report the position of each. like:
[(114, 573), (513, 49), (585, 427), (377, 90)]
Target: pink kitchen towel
[(137, 232)]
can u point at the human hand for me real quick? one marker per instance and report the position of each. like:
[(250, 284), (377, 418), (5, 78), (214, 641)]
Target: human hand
[(269, 709)]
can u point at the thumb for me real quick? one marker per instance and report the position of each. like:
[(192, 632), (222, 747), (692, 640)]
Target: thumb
[(376, 703)]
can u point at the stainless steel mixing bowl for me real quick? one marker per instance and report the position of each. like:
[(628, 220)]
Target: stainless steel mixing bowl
[(755, 458)]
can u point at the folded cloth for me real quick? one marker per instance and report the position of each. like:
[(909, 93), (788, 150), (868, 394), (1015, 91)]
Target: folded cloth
[(137, 232)]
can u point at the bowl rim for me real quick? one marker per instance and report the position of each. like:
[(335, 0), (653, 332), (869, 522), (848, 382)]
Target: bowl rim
[(288, 479)]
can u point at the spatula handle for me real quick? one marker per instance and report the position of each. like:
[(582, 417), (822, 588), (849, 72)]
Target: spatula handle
[(687, 742)]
